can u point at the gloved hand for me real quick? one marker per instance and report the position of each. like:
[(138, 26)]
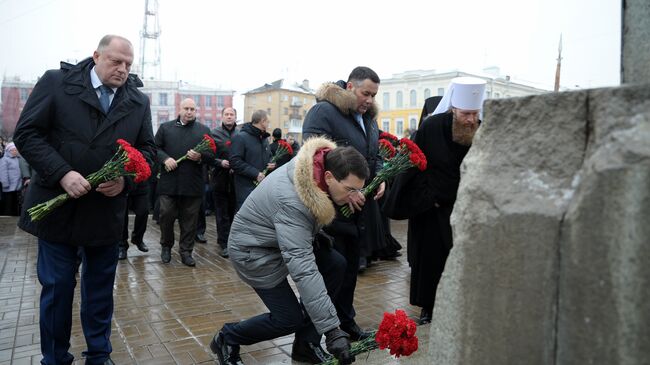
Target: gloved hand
[(338, 344)]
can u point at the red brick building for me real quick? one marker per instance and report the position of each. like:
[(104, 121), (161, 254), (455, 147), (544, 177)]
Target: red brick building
[(14, 95), (165, 98)]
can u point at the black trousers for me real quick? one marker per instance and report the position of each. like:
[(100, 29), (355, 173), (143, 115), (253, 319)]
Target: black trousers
[(186, 208), (139, 204), (348, 247), (287, 315), (224, 213)]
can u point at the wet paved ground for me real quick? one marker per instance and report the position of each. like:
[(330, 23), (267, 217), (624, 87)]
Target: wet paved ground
[(167, 314)]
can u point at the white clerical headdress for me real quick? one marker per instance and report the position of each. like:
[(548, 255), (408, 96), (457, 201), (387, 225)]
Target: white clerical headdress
[(463, 93)]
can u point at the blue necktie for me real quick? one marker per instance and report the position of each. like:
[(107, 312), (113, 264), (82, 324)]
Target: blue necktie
[(105, 97)]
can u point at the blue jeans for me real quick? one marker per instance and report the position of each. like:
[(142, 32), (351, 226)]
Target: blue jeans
[(57, 268), (287, 314)]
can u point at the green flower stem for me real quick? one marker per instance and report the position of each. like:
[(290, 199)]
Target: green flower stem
[(357, 348), (275, 158), (392, 168)]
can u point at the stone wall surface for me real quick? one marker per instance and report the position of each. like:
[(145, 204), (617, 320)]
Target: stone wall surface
[(604, 307), (549, 230), (635, 53)]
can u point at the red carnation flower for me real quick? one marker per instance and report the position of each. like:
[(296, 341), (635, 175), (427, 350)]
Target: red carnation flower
[(390, 137), (210, 142), (386, 149), (396, 333)]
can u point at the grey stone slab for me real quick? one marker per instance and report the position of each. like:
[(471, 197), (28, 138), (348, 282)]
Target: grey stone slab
[(497, 298), (604, 311)]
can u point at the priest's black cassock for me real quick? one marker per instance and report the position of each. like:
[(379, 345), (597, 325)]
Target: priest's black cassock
[(434, 190)]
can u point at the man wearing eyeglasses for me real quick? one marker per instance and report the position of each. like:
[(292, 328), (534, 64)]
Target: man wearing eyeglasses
[(346, 113), (272, 237)]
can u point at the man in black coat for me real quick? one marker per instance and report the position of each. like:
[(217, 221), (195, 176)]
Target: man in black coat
[(250, 155), (223, 189), (180, 188), (346, 113), (67, 130), (445, 139)]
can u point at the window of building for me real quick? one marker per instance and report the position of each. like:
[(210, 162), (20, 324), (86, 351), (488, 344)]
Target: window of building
[(286, 111), (399, 128), (497, 95), (400, 100), (427, 93), (386, 101), (220, 101), (285, 97), (413, 98), (24, 94), (385, 125), (488, 94), (268, 111), (286, 124), (269, 98), (162, 99), (413, 124), (208, 101), (441, 91)]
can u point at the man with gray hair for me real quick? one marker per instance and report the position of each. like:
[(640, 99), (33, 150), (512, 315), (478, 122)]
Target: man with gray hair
[(67, 130)]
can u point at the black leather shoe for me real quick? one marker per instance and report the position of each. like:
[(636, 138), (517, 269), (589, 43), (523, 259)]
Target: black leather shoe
[(308, 352), (228, 355), (363, 264), (200, 238), (355, 332), (166, 254), (121, 253), (188, 260), (141, 246), (425, 316)]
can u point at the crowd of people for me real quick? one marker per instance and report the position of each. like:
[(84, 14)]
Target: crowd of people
[(274, 217)]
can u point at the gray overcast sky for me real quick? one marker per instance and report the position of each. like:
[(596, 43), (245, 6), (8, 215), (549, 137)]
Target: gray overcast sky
[(241, 44)]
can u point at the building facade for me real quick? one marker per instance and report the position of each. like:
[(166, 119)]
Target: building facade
[(286, 105), (401, 97), (165, 98), (14, 95)]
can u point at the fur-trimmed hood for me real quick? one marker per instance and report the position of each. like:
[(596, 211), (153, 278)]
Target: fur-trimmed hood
[(343, 99), (315, 199)]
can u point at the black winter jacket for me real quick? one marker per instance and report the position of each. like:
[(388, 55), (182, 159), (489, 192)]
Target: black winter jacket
[(174, 140), (249, 154), (63, 128)]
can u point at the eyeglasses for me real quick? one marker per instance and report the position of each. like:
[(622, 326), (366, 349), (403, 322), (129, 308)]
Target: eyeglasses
[(350, 189)]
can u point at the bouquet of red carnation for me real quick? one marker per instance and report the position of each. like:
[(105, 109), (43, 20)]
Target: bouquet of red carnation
[(407, 154), (389, 137), (206, 144), (396, 333), (127, 161), (284, 148)]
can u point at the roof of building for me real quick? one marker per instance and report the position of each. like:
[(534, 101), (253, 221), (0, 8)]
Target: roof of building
[(280, 85)]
